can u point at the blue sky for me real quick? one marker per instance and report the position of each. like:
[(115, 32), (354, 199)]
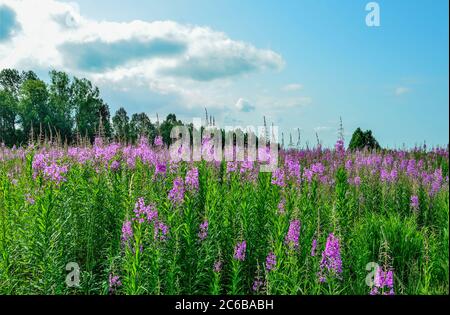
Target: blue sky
[(303, 64)]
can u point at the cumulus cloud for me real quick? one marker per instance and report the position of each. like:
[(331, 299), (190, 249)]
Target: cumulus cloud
[(8, 22), (64, 38), (100, 56), (292, 87), (401, 90), (243, 105)]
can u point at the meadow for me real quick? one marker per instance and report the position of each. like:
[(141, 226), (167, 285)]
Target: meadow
[(327, 221)]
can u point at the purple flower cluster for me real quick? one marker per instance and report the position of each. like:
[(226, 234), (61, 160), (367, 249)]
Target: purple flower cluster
[(239, 251), (144, 212), (203, 230), (340, 147), (127, 231), (46, 164), (293, 234), (158, 141), (218, 266), (271, 261), (257, 285), (415, 202), (313, 247), (383, 283), (386, 176), (176, 194), (331, 263), (278, 177), (114, 283), (161, 231), (191, 179)]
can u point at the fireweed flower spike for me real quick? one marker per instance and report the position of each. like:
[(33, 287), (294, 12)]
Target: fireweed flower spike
[(239, 251), (161, 231), (415, 202), (271, 261), (257, 284), (331, 263), (176, 194), (203, 230), (293, 234), (114, 283), (127, 231), (191, 180), (158, 141), (383, 283), (313, 247), (217, 266), (143, 212)]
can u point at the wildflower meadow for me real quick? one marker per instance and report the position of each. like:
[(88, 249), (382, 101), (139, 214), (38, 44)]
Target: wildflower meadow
[(111, 218)]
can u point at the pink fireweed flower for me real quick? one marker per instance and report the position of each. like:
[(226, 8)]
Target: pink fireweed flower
[(127, 231), (55, 173), (176, 194), (191, 179), (29, 199), (203, 230), (383, 283), (231, 167), (144, 212), (271, 261), (313, 247), (340, 147), (293, 234), (331, 263), (217, 266), (308, 174), (158, 141), (160, 168), (257, 284), (161, 231), (114, 283), (292, 169), (278, 177), (348, 165), (115, 165), (414, 202), (317, 168), (39, 162), (437, 182), (239, 251)]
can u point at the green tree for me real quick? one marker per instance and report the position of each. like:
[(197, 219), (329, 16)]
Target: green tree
[(7, 118), (33, 107), (361, 140), (167, 125), (60, 104), (121, 123), (10, 80), (89, 109), (141, 125)]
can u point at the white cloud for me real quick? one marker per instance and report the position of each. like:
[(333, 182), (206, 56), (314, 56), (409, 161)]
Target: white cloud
[(401, 90), (56, 35), (292, 87), (243, 105)]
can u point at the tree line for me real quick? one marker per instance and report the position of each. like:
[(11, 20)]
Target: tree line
[(71, 109), (68, 109)]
